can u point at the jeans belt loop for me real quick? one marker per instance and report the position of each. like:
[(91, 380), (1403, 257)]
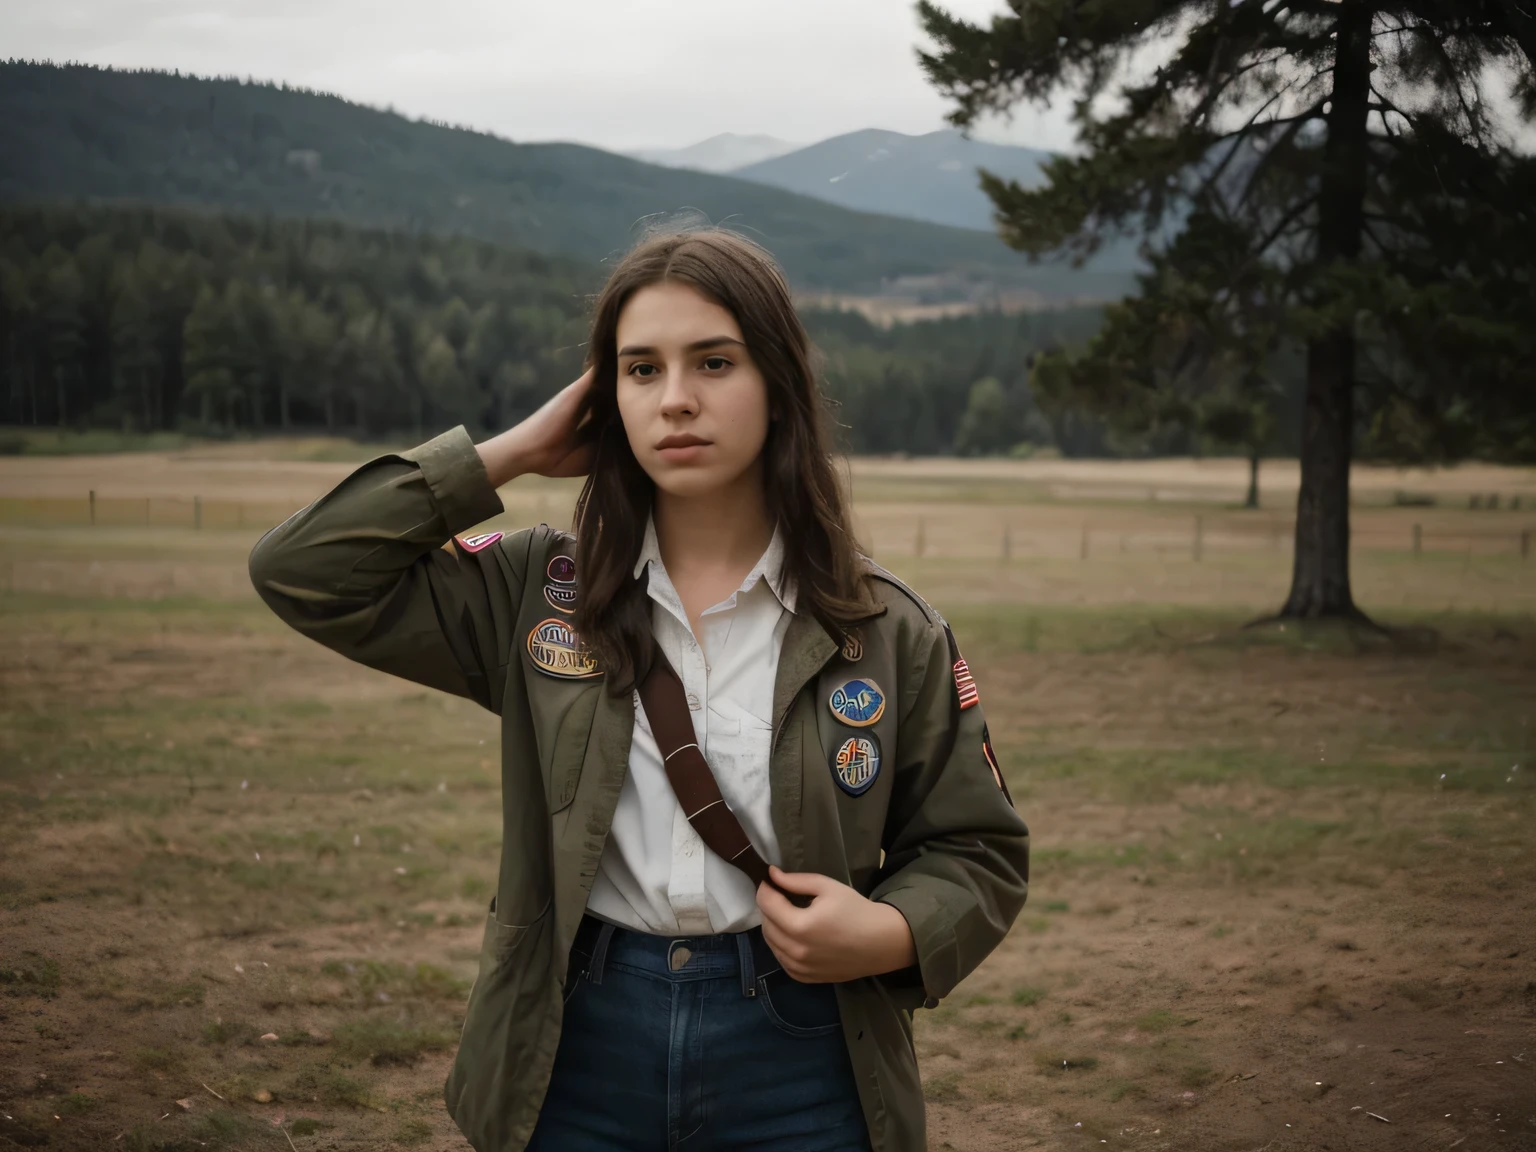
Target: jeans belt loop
[(748, 972), (600, 952)]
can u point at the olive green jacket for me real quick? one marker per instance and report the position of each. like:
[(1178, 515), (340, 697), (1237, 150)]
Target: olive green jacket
[(363, 570)]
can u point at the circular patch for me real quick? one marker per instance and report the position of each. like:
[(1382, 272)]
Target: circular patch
[(557, 649), (856, 763), (562, 570), (562, 599), (858, 703)]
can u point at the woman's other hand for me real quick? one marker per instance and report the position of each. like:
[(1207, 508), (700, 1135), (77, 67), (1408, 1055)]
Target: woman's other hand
[(840, 935), (548, 443)]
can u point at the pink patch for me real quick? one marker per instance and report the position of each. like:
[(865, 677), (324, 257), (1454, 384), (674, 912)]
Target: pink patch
[(965, 685), (478, 543)]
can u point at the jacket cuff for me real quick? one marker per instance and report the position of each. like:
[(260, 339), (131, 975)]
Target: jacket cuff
[(933, 933), (457, 479)]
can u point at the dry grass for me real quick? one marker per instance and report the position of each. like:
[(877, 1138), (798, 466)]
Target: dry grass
[(1046, 533), (1281, 878)]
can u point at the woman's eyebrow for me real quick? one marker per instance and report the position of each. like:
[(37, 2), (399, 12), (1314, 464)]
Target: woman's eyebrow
[(696, 346)]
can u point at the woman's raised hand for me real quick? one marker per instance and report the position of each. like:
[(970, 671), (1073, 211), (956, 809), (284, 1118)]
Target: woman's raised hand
[(548, 443)]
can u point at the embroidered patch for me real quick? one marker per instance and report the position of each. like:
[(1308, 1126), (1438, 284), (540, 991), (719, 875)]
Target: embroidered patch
[(479, 542), (561, 570), (559, 598), (858, 703), (557, 649), (856, 763), (965, 685), (853, 648)]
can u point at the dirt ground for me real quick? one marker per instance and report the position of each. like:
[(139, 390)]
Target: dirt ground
[(1282, 890), (1255, 902)]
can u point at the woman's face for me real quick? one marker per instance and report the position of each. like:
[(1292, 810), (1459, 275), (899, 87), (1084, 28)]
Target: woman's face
[(694, 405)]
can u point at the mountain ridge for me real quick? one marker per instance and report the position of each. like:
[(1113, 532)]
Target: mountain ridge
[(722, 153), (79, 133), (931, 176)]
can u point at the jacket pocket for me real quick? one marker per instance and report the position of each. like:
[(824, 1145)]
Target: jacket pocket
[(511, 1029), (570, 750)]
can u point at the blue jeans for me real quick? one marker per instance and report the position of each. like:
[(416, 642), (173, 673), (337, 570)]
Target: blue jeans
[(699, 1042)]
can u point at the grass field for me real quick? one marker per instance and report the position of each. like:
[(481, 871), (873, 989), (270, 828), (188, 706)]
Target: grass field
[(1282, 884)]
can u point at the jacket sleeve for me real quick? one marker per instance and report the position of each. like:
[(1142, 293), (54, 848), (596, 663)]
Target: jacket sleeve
[(957, 854), (363, 571)]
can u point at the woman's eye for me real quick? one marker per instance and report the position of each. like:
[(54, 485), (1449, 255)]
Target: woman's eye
[(716, 363), (642, 370)]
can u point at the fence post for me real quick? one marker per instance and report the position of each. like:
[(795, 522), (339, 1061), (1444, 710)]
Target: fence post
[(93, 507), (921, 542), (1418, 539), (1199, 535), (197, 513)]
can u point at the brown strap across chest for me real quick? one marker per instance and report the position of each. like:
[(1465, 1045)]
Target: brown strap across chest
[(666, 707)]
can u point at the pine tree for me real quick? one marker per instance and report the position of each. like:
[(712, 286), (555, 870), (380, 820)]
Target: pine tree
[(1363, 148), (1206, 346)]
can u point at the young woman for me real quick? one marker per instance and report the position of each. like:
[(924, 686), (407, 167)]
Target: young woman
[(636, 989)]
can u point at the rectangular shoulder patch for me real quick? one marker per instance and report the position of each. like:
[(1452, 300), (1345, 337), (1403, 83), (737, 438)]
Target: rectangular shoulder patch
[(965, 685)]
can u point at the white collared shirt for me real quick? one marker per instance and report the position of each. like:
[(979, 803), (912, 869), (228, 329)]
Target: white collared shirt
[(656, 875)]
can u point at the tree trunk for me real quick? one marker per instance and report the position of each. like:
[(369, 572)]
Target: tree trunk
[(1253, 479), (1320, 575)]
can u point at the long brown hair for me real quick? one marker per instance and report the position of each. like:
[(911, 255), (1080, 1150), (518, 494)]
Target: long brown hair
[(800, 483)]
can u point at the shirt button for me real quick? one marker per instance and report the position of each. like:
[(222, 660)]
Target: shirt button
[(693, 702)]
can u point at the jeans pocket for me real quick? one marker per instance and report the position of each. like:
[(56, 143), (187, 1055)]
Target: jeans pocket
[(575, 974), (798, 1009)]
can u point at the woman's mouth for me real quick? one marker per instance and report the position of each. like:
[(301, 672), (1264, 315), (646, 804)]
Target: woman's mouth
[(681, 447)]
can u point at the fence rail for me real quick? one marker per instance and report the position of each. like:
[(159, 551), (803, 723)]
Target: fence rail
[(1196, 539), (894, 532)]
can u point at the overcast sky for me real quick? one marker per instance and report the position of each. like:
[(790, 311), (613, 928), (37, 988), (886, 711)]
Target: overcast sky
[(620, 74)]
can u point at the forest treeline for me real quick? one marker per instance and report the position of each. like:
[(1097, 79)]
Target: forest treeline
[(147, 319)]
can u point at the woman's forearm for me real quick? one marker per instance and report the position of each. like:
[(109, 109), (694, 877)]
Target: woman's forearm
[(505, 455)]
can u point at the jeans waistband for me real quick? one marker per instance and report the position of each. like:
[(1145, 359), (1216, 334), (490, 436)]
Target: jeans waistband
[(676, 958)]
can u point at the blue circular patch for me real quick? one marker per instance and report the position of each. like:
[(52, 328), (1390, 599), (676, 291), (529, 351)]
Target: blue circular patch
[(858, 703), (856, 763)]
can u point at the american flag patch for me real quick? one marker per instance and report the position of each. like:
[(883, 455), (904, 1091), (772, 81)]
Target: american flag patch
[(965, 685), (478, 543)]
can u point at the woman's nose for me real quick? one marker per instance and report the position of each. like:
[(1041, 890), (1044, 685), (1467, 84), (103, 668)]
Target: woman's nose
[(678, 397)]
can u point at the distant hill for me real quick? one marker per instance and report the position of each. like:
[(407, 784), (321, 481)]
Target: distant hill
[(929, 177), (71, 133), (721, 153)]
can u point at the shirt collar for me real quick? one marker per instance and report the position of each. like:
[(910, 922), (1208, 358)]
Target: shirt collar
[(769, 567)]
